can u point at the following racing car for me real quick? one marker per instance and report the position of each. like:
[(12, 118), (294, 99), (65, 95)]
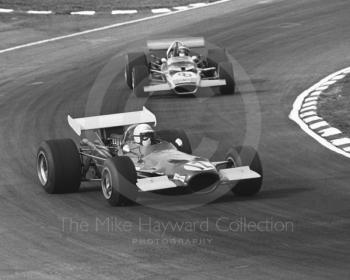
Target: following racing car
[(129, 157), (179, 69)]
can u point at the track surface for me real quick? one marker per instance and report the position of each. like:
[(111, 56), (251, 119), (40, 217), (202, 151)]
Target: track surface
[(284, 47)]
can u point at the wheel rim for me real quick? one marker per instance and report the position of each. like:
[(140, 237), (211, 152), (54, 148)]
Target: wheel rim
[(231, 162), (133, 80), (179, 142), (42, 168), (106, 183), (126, 74)]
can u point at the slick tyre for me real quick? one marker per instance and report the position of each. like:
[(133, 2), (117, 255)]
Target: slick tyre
[(58, 166), (246, 156), (133, 60), (225, 71), (178, 138), (118, 181), (139, 80)]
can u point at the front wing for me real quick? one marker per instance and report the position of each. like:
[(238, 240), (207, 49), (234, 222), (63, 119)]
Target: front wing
[(166, 86), (227, 175), (157, 87), (212, 83), (155, 183), (238, 173)]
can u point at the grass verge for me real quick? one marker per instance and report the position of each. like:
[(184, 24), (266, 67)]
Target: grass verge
[(334, 105), (62, 6)]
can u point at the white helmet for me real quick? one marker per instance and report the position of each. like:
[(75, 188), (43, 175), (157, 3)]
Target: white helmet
[(183, 50), (143, 134)]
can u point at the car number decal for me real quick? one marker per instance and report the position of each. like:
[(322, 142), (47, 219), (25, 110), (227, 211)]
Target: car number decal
[(198, 166), (185, 74)]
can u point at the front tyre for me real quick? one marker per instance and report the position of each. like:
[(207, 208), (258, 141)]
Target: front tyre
[(118, 181), (58, 166), (178, 138), (139, 80), (133, 60), (225, 72), (246, 156)]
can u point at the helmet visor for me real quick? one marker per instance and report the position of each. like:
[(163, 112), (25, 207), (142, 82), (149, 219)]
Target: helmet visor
[(146, 136)]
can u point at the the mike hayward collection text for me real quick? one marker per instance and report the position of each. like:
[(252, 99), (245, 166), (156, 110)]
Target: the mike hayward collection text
[(162, 227)]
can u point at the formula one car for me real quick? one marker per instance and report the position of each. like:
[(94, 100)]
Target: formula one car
[(129, 157), (178, 69)]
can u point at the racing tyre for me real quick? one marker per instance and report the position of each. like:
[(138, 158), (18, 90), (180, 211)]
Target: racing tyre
[(132, 60), (118, 181), (216, 56), (178, 138), (225, 71), (139, 80), (246, 156), (59, 166)]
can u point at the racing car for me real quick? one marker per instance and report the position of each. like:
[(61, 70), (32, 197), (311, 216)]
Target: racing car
[(172, 65), (128, 157)]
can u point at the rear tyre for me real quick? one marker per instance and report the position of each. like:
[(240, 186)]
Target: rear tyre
[(178, 138), (139, 80), (59, 166), (225, 71), (132, 60), (216, 56), (118, 181), (246, 156)]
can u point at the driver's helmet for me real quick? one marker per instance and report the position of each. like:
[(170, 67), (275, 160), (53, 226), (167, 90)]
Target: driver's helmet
[(143, 134), (184, 51)]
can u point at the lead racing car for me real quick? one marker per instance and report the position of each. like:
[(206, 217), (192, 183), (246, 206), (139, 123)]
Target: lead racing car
[(129, 157), (179, 69)]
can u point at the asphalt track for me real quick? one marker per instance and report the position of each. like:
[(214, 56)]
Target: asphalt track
[(284, 47)]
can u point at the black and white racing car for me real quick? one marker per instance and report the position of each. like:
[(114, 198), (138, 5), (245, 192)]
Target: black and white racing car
[(135, 158), (177, 65)]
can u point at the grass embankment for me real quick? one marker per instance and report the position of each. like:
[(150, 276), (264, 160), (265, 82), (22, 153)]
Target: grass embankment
[(96, 5), (20, 28), (334, 105)]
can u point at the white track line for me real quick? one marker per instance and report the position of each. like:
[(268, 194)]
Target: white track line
[(32, 12), (308, 104), (308, 109), (181, 8), (312, 119), (319, 125), (316, 93), (307, 114), (6, 10), (314, 98), (104, 28), (341, 141), (124, 12), (331, 131), (265, 1), (84, 13), (303, 113), (160, 10), (198, 4)]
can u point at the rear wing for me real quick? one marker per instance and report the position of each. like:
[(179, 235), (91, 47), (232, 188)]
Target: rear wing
[(164, 44), (112, 120)]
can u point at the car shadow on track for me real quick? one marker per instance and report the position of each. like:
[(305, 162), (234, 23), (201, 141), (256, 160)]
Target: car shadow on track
[(268, 194), (226, 198)]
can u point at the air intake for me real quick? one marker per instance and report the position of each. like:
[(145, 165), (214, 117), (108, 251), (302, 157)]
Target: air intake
[(202, 181)]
